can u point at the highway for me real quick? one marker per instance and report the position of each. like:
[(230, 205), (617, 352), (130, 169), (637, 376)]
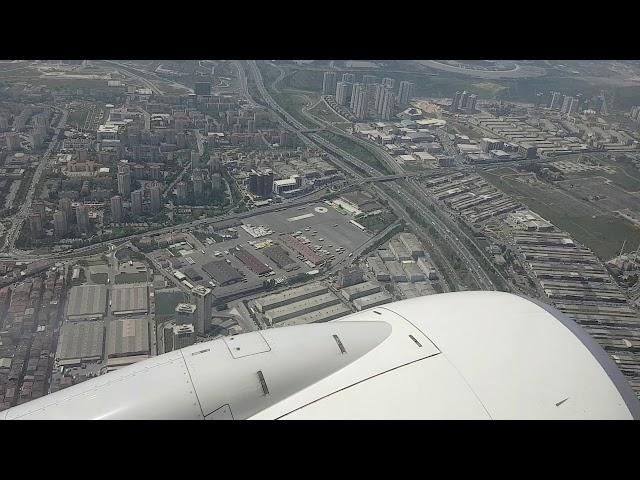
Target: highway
[(415, 196), (314, 196), (417, 199), (130, 71), (244, 88), (302, 200), (481, 278), (356, 168), (359, 172)]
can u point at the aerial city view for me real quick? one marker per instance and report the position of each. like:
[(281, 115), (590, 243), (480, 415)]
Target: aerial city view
[(152, 206)]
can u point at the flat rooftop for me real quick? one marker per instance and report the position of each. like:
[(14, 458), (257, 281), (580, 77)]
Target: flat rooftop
[(129, 336), (81, 340), (188, 308), (87, 300), (373, 300), (221, 272), (129, 298), (292, 295), (302, 307), (324, 315), (360, 287)]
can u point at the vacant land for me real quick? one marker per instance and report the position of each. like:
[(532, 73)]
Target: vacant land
[(601, 231), (140, 277), (100, 278), (166, 301), (78, 116), (324, 112), (602, 192), (626, 177), (293, 103)]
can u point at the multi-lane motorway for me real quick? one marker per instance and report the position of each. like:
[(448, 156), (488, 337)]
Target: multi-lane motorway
[(360, 172), (354, 167), (413, 196)]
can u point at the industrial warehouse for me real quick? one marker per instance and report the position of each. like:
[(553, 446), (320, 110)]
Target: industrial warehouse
[(222, 272), (87, 302), (470, 196), (128, 342), (79, 342), (404, 266), (579, 285), (310, 303), (145, 213), (129, 299)]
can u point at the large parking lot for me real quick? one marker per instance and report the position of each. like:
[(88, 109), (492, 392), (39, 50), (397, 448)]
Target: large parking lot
[(320, 228)]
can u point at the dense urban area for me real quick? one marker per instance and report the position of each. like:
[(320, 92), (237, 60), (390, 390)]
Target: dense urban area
[(149, 205)]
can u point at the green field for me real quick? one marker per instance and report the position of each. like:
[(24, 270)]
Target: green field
[(126, 254), (78, 116), (140, 277), (166, 301), (354, 149), (602, 233), (625, 177), (377, 223), (323, 112), (293, 103), (100, 278), (269, 73)]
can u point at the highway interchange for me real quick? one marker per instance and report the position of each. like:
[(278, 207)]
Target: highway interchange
[(447, 228), (400, 190)]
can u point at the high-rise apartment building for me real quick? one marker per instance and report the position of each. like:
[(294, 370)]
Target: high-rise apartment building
[(203, 299), (124, 180), (348, 77), (181, 193), (385, 103), (329, 83), (39, 208), (82, 218), (198, 185), (178, 336), (136, 202), (155, 172), (369, 79), (116, 209), (357, 88), (455, 102), (214, 164), (464, 98), (154, 194), (362, 103), (65, 207), (186, 314), (343, 93), (471, 103), (389, 82), (216, 183), (405, 93), (60, 224)]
